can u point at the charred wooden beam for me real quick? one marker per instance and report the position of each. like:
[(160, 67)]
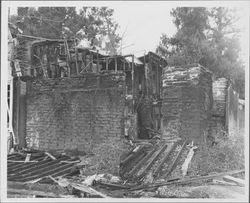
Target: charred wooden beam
[(132, 162), (133, 85), (173, 164), (63, 169), (76, 59), (187, 180), (140, 163), (115, 64), (32, 193), (30, 167), (169, 150), (37, 169), (132, 155), (152, 161), (98, 61), (107, 63), (111, 185)]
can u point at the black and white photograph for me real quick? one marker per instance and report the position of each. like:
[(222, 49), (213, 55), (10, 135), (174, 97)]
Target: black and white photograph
[(125, 101)]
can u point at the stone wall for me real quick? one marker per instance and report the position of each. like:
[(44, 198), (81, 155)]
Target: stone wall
[(187, 102), (76, 113)]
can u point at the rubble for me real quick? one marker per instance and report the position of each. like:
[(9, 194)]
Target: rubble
[(145, 182), (128, 124)]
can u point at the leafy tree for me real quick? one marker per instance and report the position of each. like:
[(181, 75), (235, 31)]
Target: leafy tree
[(92, 23), (205, 36)]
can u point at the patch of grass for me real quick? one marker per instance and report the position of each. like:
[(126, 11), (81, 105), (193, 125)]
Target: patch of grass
[(226, 155), (106, 158)]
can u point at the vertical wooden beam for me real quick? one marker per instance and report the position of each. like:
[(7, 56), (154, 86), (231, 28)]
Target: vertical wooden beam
[(150, 67), (91, 61), (97, 60), (123, 64), (76, 59), (11, 103), (115, 64), (16, 141), (157, 81), (133, 82), (84, 59), (107, 63)]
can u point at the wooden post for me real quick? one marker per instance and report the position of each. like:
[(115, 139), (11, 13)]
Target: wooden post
[(107, 63), (84, 58), (17, 109), (67, 56), (11, 103), (97, 61), (157, 81), (133, 82), (76, 59), (115, 64), (91, 61), (123, 63)]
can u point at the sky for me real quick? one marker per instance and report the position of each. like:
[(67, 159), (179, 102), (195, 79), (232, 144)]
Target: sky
[(141, 23)]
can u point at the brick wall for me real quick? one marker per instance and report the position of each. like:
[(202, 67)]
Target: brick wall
[(187, 102), (76, 113)]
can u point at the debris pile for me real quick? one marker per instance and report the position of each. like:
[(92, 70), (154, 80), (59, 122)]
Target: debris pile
[(35, 165), (156, 168)]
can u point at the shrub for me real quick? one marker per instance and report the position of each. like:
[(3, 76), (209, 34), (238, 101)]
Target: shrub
[(227, 154)]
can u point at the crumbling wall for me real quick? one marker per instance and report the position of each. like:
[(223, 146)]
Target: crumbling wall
[(80, 113), (218, 121), (187, 102)]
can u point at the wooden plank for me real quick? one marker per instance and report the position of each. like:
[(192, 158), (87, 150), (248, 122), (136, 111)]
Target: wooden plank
[(28, 168), (18, 85), (169, 150), (50, 155), (126, 168), (87, 90), (140, 163), (151, 162), (238, 181), (132, 155), (173, 164), (87, 189), (32, 193), (112, 185), (63, 169), (76, 59), (115, 64), (186, 180), (184, 167), (133, 85), (98, 61), (15, 161), (107, 64)]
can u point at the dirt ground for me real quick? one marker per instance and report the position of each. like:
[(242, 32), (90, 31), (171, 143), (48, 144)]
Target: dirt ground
[(196, 192), (218, 191)]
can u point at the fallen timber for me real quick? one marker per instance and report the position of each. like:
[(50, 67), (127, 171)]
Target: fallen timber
[(152, 161), (131, 156), (140, 163), (172, 166), (186, 180), (111, 185), (169, 150), (34, 193)]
